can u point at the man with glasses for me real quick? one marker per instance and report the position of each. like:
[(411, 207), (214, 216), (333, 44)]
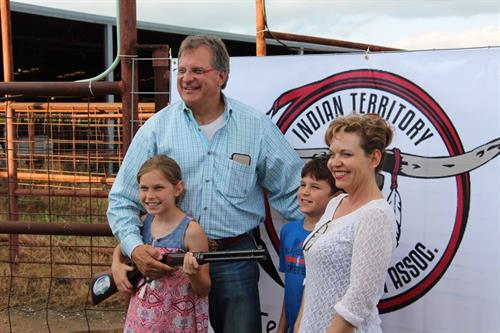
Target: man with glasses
[(229, 153)]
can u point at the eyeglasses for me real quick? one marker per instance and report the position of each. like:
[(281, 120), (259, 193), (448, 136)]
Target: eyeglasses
[(196, 71), (316, 235)]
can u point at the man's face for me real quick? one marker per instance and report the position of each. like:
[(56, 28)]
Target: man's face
[(198, 83)]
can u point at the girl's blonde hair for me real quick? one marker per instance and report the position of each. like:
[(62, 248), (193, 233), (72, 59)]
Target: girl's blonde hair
[(168, 167)]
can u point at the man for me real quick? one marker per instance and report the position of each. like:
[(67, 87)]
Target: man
[(228, 153)]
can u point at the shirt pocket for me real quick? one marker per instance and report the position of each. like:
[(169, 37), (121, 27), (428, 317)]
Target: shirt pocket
[(237, 179)]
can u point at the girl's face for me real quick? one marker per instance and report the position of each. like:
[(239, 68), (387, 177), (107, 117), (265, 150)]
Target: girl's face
[(157, 194)]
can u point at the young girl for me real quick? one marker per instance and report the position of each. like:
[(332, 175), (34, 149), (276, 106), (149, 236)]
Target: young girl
[(178, 301)]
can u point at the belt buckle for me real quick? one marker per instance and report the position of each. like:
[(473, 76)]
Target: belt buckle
[(214, 245)]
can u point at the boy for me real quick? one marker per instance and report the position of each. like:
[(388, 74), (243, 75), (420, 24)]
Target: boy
[(317, 188)]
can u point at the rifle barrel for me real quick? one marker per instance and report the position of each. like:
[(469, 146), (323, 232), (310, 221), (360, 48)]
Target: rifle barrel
[(250, 257), (224, 254), (176, 259)]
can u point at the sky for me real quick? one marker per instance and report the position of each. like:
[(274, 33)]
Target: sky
[(406, 24)]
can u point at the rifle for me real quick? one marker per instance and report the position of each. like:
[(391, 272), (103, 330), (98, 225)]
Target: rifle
[(103, 286)]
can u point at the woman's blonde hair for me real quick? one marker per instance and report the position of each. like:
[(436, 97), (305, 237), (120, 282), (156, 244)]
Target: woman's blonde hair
[(374, 131)]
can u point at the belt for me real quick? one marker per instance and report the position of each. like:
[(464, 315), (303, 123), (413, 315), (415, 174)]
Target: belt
[(225, 243)]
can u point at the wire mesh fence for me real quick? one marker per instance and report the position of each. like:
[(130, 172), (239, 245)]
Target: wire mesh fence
[(66, 158)]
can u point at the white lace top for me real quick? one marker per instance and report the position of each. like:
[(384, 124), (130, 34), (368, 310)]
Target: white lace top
[(346, 267)]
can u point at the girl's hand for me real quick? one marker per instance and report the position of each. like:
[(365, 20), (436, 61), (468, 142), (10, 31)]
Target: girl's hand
[(199, 276), (120, 270), (190, 265)]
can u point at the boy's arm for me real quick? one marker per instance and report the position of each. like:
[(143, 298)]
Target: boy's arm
[(299, 315), (199, 276), (120, 268), (283, 324)]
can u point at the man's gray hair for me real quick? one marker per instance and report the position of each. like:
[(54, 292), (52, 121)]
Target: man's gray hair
[(221, 56)]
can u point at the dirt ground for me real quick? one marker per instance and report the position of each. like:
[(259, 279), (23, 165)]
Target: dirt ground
[(77, 322)]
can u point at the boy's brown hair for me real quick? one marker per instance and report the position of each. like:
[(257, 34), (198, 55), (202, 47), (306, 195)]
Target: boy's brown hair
[(317, 168)]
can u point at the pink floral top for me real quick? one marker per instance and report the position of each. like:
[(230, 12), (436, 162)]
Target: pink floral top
[(167, 305)]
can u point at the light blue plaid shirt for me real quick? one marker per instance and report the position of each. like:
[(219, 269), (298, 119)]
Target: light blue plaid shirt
[(225, 196)]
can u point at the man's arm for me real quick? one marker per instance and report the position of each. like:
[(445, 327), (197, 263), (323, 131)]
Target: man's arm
[(279, 171), (124, 206)]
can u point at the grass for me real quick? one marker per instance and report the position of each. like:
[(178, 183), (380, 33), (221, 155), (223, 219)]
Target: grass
[(50, 279)]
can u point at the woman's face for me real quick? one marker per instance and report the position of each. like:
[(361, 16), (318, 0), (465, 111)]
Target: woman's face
[(351, 167)]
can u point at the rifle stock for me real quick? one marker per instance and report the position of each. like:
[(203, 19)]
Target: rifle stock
[(102, 285)]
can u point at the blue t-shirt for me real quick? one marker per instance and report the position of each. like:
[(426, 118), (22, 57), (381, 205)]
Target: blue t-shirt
[(292, 264)]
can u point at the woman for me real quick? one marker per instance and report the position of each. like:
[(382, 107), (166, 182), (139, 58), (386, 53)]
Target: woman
[(350, 249)]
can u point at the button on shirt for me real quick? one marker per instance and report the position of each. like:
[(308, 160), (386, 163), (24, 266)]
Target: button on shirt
[(223, 193)]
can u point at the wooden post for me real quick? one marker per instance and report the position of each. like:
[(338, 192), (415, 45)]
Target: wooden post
[(260, 27)]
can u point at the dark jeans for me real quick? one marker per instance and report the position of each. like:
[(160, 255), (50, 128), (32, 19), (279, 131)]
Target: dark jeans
[(234, 296)]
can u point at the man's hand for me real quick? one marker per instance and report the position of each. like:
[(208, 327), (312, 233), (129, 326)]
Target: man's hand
[(147, 260)]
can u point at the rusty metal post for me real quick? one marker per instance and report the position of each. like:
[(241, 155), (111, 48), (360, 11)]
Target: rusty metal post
[(59, 193), (33, 88), (41, 228), (8, 73), (260, 28), (162, 76), (128, 40), (326, 41), (8, 64)]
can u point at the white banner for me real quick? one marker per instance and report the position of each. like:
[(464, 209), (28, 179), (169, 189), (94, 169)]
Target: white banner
[(441, 174)]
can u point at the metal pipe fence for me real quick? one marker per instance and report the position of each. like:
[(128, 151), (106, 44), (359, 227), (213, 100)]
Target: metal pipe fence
[(66, 163)]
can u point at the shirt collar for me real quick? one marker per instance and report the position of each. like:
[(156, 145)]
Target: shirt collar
[(228, 110)]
